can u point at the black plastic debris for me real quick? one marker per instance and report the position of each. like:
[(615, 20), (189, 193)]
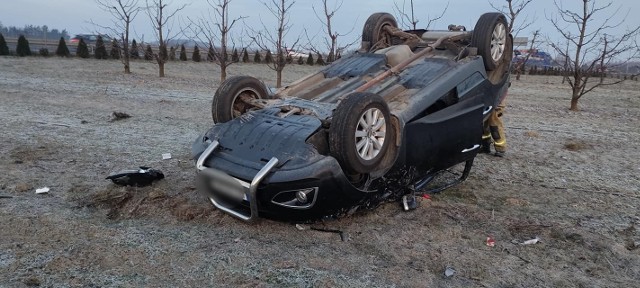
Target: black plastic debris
[(116, 116), (138, 177)]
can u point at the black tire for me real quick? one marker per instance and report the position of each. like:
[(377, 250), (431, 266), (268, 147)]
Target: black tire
[(373, 28), (483, 35), (343, 138), (226, 100)]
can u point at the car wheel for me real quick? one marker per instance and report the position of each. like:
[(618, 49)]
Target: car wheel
[(373, 30), (491, 37), (228, 102), (360, 132)]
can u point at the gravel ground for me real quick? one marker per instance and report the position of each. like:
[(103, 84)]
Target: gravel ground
[(570, 178)]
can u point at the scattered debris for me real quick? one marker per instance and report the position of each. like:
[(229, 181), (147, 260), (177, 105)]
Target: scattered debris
[(531, 241), (448, 272), (409, 202), (343, 235), (5, 196), (166, 156), (115, 116), (237, 240), (301, 227), (42, 190), (139, 177), (84, 122), (491, 242), (426, 196)]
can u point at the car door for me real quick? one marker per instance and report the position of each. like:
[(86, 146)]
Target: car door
[(446, 137)]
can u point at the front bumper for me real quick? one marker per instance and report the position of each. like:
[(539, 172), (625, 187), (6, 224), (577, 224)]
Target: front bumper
[(251, 199), (249, 190)]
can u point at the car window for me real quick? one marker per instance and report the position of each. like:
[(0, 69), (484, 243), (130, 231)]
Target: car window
[(92, 38), (469, 83)]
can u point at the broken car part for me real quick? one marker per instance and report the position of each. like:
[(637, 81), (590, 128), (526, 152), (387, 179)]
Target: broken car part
[(136, 177)]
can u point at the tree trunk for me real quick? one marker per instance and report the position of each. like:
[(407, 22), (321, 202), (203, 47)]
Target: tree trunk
[(223, 72), (574, 104), (161, 68), (127, 70), (279, 79)]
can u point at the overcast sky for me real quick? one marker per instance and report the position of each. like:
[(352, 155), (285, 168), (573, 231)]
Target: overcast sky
[(74, 15)]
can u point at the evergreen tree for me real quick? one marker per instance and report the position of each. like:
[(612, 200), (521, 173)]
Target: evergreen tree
[(183, 53), (235, 57), (196, 54), (268, 58), (211, 54), (134, 50), (331, 57), (4, 49), (245, 56), (163, 53), (82, 50), (300, 61), (23, 47), (320, 61), (44, 52), (310, 59), (63, 50), (115, 49), (257, 58), (172, 53), (148, 53), (101, 49)]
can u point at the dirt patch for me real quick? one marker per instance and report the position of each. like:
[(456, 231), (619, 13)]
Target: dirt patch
[(32, 153), (576, 145), (532, 134), (23, 187)]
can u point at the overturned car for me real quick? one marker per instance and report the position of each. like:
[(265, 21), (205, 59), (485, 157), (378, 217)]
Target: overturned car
[(372, 127)]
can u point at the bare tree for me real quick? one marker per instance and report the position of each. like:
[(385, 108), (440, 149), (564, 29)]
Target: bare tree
[(267, 39), (408, 19), (595, 49), (522, 62), (513, 9), (331, 41), (217, 34), (161, 20), (123, 13)]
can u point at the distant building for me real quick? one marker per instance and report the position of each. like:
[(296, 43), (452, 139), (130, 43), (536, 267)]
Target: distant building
[(520, 41)]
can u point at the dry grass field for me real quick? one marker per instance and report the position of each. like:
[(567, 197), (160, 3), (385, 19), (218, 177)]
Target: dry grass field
[(569, 178)]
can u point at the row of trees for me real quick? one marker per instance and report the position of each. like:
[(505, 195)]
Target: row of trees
[(146, 52), (217, 30), (30, 31)]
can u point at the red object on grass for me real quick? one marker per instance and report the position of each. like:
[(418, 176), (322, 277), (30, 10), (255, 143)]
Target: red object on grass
[(491, 242)]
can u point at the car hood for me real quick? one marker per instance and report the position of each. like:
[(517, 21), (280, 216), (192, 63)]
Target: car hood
[(250, 141)]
